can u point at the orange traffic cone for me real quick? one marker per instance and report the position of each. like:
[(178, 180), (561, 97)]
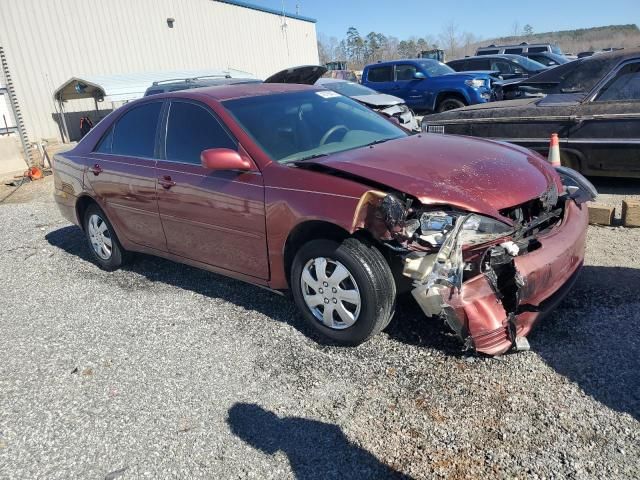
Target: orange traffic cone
[(554, 151), (34, 173)]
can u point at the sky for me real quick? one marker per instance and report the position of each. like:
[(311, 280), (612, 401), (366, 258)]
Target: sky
[(403, 19)]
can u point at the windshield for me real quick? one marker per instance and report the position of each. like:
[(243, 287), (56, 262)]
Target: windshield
[(435, 68), (528, 64), (301, 125), (586, 74), (558, 59), (350, 89), (556, 49)]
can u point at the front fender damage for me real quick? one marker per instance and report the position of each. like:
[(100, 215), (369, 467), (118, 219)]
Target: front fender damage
[(475, 288)]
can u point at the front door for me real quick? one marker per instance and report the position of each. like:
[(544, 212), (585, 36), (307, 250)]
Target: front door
[(122, 175), (213, 217), (407, 86), (607, 129)]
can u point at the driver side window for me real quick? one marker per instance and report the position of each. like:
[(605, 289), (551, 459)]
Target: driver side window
[(501, 66), (191, 129), (624, 87), (405, 72)]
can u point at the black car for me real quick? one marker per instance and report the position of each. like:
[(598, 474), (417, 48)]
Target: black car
[(548, 59), (594, 108), (509, 66)]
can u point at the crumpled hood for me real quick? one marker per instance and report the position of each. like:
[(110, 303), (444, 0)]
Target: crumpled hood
[(378, 100), (469, 173)]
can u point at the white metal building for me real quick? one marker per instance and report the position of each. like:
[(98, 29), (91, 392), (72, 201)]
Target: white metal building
[(44, 43)]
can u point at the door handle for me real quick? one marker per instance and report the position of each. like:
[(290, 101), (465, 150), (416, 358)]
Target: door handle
[(96, 169), (166, 182)]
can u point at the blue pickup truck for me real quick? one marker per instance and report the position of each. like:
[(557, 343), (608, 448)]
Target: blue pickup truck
[(428, 85)]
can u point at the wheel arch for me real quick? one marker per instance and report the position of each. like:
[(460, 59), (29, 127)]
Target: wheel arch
[(82, 203), (451, 93), (305, 232)]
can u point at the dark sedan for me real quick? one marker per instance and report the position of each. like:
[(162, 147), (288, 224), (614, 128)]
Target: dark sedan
[(509, 66), (594, 108)]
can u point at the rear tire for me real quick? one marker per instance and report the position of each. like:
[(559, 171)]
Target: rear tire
[(103, 242), (344, 290), (450, 103)]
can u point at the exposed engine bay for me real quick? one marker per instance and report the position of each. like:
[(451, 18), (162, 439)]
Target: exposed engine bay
[(441, 248)]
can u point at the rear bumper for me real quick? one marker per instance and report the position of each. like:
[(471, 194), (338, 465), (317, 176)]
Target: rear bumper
[(546, 275), (66, 204)]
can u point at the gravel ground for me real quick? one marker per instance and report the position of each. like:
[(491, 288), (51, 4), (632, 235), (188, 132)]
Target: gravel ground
[(165, 371)]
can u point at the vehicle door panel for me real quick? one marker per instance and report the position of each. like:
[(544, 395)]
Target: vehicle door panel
[(213, 217), (125, 185), (381, 79), (607, 128), (407, 87), (530, 126)]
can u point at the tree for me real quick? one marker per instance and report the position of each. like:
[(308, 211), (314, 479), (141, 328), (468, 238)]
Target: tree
[(528, 30), (355, 46), (449, 39)]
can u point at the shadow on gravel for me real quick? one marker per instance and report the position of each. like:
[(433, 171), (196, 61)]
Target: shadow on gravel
[(411, 326), (71, 239), (316, 450), (593, 338), (408, 326)]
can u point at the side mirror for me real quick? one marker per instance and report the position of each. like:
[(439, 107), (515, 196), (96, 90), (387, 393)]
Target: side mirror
[(419, 76), (223, 159)]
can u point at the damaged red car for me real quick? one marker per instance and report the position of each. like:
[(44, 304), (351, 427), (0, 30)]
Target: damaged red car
[(294, 187)]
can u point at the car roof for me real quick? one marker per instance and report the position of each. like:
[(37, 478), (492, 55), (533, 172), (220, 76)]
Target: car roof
[(403, 60), (506, 56), (514, 45), (242, 90)]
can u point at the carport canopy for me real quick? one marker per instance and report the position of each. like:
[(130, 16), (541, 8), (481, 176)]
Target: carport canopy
[(127, 86), (130, 86)]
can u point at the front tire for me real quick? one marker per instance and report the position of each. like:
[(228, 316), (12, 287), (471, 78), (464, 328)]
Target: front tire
[(344, 290), (103, 242), (450, 103)]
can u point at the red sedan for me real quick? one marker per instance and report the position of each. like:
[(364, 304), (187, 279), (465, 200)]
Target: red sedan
[(290, 186)]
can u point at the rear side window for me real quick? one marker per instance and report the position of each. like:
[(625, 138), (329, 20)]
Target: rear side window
[(489, 52), (134, 134), (380, 74), (104, 146), (457, 65), (191, 130), (478, 64), (538, 49), (513, 50)]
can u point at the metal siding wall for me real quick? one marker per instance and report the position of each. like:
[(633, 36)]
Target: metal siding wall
[(49, 41)]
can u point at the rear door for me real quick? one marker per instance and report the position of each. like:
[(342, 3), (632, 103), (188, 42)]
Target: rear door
[(213, 217), (381, 79), (478, 64), (607, 129), (122, 175)]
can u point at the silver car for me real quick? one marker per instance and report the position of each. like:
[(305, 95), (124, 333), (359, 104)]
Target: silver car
[(388, 105)]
